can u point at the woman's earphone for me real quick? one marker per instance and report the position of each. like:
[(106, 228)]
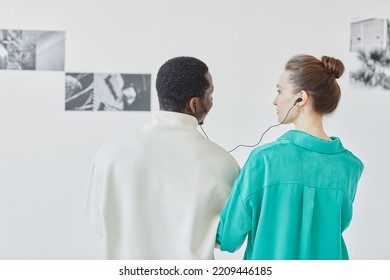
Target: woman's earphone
[(298, 100)]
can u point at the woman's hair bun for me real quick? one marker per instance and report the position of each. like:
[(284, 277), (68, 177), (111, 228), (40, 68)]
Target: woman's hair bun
[(333, 65)]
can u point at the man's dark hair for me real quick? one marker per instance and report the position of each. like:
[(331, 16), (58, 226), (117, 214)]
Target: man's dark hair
[(180, 79)]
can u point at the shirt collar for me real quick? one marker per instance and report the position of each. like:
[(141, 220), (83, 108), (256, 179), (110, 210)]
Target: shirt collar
[(173, 123), (313, 143)]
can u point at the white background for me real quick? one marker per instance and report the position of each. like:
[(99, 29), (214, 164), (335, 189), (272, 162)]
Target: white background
[(45, 152)]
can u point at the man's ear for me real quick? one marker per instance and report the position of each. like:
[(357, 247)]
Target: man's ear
[(194, 104)]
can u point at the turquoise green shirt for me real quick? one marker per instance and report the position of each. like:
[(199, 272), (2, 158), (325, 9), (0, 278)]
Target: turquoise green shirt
[(293, 200)]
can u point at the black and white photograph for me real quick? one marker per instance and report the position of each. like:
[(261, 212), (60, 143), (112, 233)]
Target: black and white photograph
[(370, 46), (32, 50), (107, 92)]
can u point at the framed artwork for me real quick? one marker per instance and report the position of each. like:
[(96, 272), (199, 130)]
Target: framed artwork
[(107, 92), (32, 50), (370, 46)]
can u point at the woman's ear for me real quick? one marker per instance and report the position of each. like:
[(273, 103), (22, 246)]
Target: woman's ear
[(304, 96)]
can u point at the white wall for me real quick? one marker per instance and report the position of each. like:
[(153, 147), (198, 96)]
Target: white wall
[(45, 152)]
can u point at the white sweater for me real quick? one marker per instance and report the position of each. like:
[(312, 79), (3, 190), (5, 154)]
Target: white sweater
[(157, 193)]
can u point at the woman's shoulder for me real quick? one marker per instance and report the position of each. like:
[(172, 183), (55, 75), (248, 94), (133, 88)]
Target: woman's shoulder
[(353, 158), (270, 147)]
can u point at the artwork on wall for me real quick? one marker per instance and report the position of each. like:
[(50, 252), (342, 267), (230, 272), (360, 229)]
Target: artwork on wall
[(107, 92), (45, 50), (370, 46), (32, 50)]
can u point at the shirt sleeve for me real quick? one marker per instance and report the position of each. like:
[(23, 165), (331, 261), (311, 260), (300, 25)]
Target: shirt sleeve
[(234, 223), (236, 217)]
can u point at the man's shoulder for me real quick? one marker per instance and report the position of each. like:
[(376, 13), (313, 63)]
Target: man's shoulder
[(217, 153), (118, 143)]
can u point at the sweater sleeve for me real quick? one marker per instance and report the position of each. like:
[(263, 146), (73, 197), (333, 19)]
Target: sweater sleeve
[(93, 198)]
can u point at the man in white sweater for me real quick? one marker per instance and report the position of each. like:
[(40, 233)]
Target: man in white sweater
[(156, 193)]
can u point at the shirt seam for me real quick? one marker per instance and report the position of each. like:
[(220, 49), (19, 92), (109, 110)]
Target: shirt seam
[(285, 183)]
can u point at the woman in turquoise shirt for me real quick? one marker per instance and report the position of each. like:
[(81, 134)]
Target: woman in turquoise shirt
[(293, 198)]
